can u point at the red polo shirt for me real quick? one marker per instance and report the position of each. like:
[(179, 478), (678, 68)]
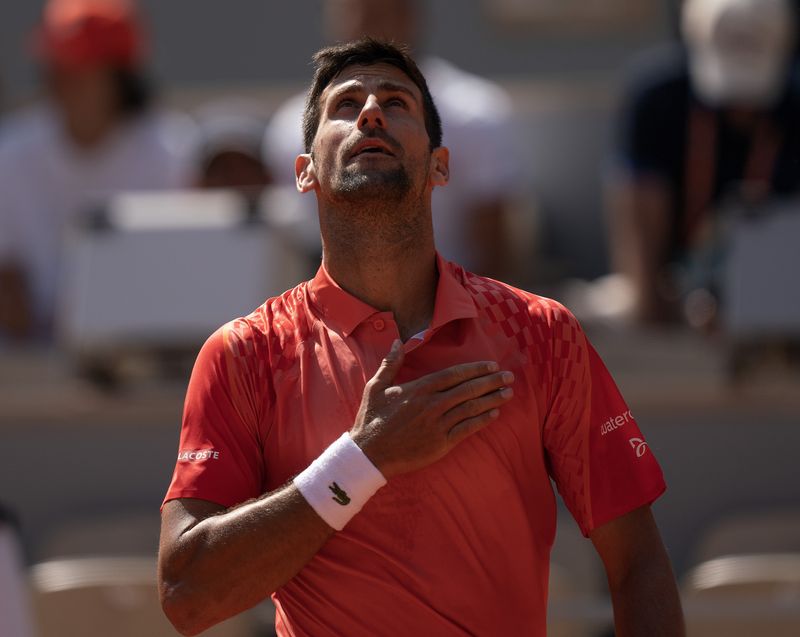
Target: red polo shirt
[(462, 546)]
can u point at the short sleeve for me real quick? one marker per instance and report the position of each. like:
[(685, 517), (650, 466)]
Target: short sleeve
[(220, 455), (601, 463)]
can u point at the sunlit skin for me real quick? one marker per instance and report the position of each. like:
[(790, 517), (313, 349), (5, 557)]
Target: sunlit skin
[(373, 170)]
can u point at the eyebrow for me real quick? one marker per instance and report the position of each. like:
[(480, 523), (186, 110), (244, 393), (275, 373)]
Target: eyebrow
[(383, 85)]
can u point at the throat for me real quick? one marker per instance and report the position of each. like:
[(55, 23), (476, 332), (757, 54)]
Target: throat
[(402, 280)]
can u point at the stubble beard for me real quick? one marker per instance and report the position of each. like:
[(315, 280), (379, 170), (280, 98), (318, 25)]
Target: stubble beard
[(377, 207), (360, 186)]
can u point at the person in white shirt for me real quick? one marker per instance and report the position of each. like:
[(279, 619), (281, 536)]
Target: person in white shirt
[(94, 135)]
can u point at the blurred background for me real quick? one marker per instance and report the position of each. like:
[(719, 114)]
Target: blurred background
[(638, 160)]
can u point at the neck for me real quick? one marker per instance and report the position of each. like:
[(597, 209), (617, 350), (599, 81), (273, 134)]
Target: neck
[(392, 268), (90, 132)]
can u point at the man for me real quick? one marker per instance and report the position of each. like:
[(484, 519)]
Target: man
[(707, 128), (95, 134), (470, 216), (421, 501)]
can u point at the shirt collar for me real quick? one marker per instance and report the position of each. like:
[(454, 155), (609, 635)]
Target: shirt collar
[(346, 312)]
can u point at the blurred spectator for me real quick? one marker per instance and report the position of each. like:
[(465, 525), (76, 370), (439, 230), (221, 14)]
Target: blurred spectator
[(707, 126), (229, 149), (15, 609), (468, 214), (96, 133)]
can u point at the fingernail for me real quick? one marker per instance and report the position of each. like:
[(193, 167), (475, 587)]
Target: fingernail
[(507, 392), (508, 377), (493, 367), (396, 344), (494, 413)]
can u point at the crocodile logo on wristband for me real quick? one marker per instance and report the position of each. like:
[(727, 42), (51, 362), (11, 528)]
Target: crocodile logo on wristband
[(339, 495)]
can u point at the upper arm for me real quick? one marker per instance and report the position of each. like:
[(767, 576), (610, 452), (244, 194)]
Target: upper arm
[(597, 455), (178, 517), (220, 456), (182, 514), (627, 542)]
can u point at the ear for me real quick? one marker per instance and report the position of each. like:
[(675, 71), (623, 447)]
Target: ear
[(440, 166), (305, 176)]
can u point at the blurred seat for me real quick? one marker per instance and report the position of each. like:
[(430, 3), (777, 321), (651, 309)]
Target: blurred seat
[(107, 596), (160, 271), (771, 531), (130, 533), (744, 596), (762, 263)]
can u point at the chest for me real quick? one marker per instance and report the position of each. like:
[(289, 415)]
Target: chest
[(318, 391)]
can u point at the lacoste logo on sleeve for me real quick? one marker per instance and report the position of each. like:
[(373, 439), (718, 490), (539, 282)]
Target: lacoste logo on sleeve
[(194, 455), (339, 495), (639, 445)]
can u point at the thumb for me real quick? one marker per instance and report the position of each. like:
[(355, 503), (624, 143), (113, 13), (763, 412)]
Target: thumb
[(390, 365)]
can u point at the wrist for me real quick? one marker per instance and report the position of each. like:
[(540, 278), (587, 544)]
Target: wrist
[(339, 482)]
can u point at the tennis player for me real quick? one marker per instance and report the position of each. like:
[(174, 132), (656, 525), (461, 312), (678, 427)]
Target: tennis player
[(374, 448)]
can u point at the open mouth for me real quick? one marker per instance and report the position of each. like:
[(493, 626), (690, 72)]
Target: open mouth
[(372, 148)]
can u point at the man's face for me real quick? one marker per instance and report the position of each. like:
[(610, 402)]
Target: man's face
[(371, 140)]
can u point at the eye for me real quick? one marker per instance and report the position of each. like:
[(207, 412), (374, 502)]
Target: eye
[(345, 102), (396, 101)]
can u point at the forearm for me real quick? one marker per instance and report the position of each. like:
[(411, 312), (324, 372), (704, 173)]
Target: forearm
[(229, 562), (640, 231), (646, 601)]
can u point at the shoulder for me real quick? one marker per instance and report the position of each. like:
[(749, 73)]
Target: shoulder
[(503, 300), (465, 97), (285, 126), (270, 331), (657, 76), (28, 130)]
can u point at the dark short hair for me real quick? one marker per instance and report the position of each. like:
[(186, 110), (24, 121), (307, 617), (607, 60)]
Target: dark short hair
[(331, 61)]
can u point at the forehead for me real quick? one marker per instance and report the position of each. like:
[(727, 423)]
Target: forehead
[(370, 77)]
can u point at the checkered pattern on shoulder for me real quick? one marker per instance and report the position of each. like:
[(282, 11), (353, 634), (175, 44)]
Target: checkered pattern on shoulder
[(553, 339), (260, 347)]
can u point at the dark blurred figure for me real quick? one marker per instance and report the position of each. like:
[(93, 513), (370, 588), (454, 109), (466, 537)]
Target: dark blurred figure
[(231, 133), (469, 214), (95, 134), (706, 126)]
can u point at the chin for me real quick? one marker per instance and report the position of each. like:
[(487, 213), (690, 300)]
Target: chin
[(393, 184)]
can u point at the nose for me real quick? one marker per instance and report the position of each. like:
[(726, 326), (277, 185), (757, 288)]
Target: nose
[(371, 115)]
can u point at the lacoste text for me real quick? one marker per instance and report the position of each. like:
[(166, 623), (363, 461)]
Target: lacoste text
[(198, 454)]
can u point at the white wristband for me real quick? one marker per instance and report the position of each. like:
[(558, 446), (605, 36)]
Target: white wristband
[(339, 482)]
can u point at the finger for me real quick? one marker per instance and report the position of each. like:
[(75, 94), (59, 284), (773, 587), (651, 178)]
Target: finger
[(474, 388), (390, 365), (450, 377), (467, 427), (476, 407)]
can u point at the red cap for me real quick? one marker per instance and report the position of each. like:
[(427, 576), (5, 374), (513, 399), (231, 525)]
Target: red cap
[(76, 33)]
